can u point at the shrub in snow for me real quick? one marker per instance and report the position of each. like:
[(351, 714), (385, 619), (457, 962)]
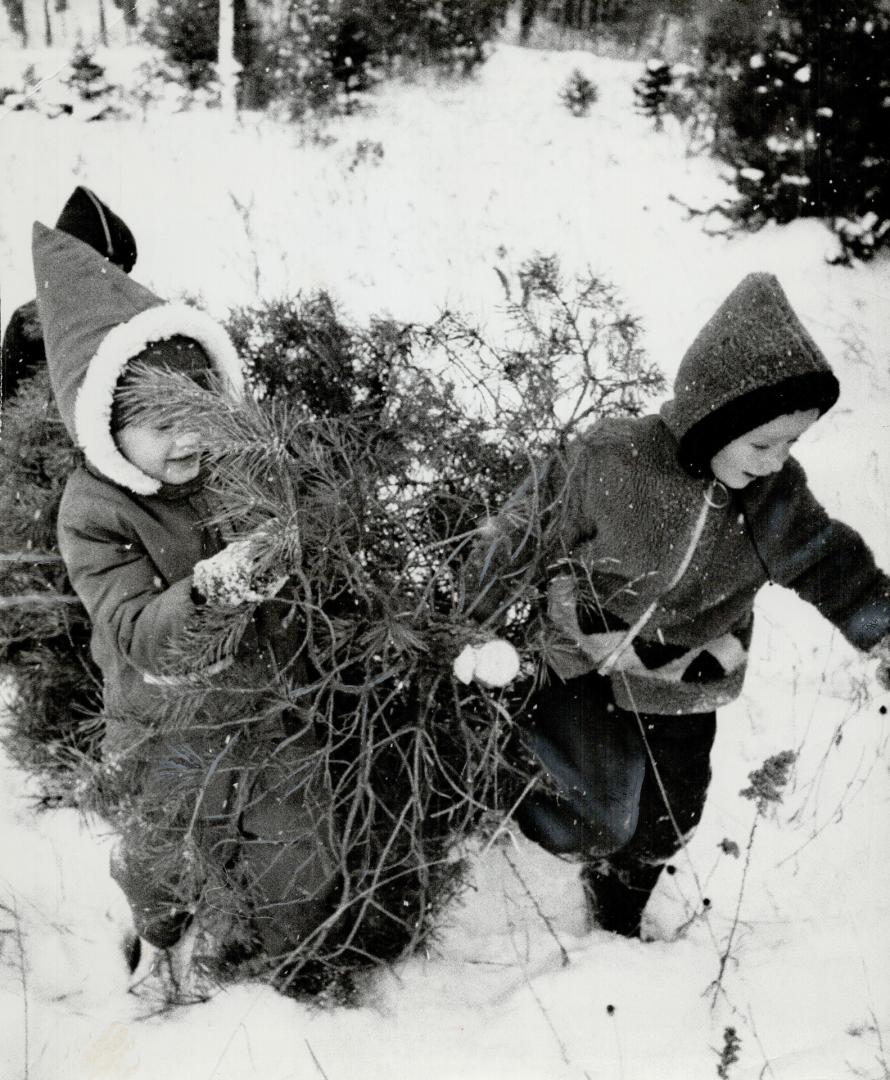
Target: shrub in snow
[(85, 77), (799, 106), (578, 94), (860, 238), (44, 633), (21, 97), (80, 89), (651, 90), (367, 152), (156, 85), (95, 97)]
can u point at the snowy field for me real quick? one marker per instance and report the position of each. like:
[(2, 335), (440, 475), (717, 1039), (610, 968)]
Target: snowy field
[(473, 176)]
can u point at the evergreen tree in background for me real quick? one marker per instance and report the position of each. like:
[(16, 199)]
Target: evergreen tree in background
[(651, 90), (314, 56), (800, 102), (188, 32), (15, 12), (452, 35), (86, 78)]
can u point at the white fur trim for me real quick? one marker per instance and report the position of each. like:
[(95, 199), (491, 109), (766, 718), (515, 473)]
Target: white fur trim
[(92, 407)]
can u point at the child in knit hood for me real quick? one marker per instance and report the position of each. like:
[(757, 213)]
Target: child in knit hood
[(86, 217), (650, 539), (134, 535)]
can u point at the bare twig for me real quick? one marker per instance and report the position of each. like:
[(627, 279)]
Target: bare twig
[(717, 984), (564, 955), (315, 1060), (245, 212), (562, 1047), (23, 978)]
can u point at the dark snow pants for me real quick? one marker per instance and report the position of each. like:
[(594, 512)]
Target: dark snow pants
[(264, 833), (599, 797)]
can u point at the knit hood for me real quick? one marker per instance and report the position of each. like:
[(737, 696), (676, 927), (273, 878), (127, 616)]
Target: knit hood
[(752, 362), (85, 217), (95, 319)]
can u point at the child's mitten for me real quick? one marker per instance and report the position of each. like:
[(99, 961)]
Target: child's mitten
[(231, 577), (495, 663), (882, 652)]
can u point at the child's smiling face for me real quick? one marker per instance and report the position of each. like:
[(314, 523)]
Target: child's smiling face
[(761, 451), (166, 454)]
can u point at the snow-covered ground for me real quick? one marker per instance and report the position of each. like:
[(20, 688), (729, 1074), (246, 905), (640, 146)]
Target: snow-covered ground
[(473, 176)]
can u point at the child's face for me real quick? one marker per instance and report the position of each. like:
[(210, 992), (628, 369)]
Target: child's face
[(761, 451), (166, 454)]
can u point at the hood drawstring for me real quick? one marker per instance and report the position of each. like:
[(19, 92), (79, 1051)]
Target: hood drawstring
[(708, 503), (749, 530)]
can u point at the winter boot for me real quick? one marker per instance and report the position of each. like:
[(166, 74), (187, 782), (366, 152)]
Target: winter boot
[(616, 896), (132, 950), (174, 975)]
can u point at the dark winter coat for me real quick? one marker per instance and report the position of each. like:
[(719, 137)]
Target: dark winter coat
[(87, 218), (650, 566), (130, 545), (130, 561), (21, 354)]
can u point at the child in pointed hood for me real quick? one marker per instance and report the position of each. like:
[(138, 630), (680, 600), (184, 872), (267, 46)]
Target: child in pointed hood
[(86, 217), (134, 535), (650, 539)]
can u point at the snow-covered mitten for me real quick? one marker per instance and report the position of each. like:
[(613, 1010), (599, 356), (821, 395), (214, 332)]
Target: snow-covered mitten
[(231, 578), (495, 663), (882, 652)]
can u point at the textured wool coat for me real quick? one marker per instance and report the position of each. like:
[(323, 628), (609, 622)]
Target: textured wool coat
[(650, 567), (129, 543)]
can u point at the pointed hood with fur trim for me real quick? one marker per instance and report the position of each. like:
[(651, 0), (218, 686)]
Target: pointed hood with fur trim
[(751, 362), (95, 319)]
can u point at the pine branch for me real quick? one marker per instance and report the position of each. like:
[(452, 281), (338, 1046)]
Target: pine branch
[(37, 601), (40, 558)]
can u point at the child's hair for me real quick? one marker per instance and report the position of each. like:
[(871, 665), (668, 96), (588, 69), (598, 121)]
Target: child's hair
[(177, 353)]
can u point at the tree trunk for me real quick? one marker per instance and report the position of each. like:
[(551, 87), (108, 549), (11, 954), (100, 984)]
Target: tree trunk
[(47, 25), (24, 26), (226, 68), (103, 25)]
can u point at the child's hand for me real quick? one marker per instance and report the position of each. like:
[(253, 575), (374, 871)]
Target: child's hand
[(496, 663), (231, 577)]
